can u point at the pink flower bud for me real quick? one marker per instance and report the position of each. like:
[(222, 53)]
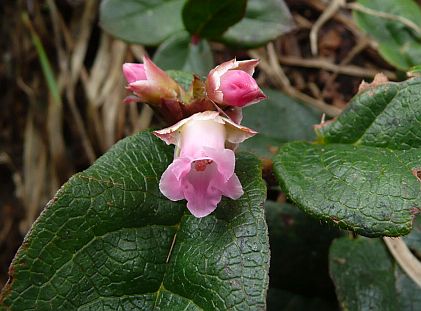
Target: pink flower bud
[(232, 84), (203, 169), (150, 83)]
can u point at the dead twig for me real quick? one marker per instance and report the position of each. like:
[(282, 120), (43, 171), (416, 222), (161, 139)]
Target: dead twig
[(331, 10), (81, 45), (34, 172), (339, 16), (69, 77), (321, 63)]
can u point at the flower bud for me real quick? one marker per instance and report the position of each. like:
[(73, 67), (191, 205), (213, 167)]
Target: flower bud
[(150, 83), (232, 84), (203, 169)]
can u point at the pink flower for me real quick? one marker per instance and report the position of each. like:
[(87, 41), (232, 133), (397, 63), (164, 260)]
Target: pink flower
[(150, 83), (231, 83), (203, 169)]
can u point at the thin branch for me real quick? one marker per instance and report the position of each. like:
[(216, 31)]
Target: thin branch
[(276, 67), (345, 20), (81, 46), (321, 63), (331, 10), (69, 84)]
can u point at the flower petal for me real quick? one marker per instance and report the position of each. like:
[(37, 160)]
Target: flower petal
[(131, 99), (202, 197), (171, 135), (237, 133), (235, 114), (134, 72), (151, 93), (232, 188), (239, 89), (201, 204), (204, 205), (213, 80), (171, 180), (157, 76), (247, 65)]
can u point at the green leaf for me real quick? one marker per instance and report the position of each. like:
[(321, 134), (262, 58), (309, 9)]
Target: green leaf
[(386, 116), (360, 174), (398, 44), (277, 119), (367, 278), (293, 234), (366, 189), (264, 21), (210, 18), (184, 79), (178, 53), (110, 240), (142, 22)]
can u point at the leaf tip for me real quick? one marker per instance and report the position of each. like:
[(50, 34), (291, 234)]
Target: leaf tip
[(379, 79)]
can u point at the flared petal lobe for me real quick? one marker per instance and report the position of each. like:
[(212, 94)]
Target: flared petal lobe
[(170, 183)]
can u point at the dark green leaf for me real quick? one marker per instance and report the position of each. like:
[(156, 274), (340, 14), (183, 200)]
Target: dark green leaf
[(366, 189), (277, 120), (110, 240), (178, 53), (264, 21), (398, 44), (211, 18), (367, 278), (387, 116), (360, 175), (143, 22), (295, 235)]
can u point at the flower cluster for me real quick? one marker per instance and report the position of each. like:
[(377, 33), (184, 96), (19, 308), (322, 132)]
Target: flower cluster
[(207, 128)]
